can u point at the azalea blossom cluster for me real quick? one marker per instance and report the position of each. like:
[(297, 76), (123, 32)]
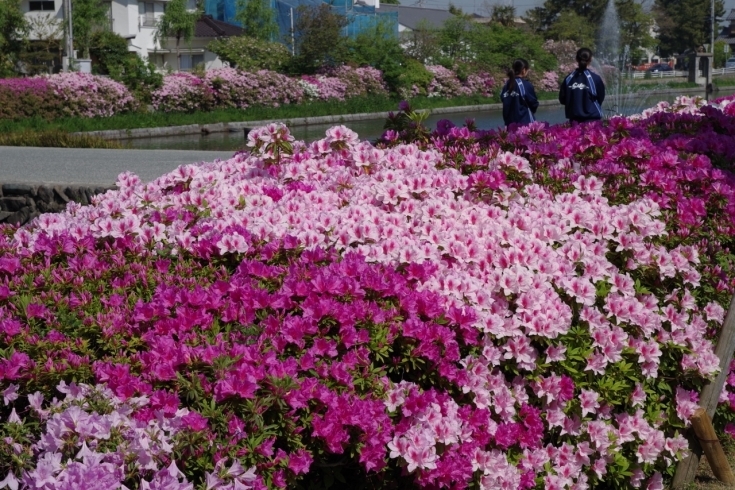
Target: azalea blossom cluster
[(445, 83), (64, 94), (87, 95), (182, 92), (92, 439), (363, 80), (323, 87), (549, 82), (235, 88)]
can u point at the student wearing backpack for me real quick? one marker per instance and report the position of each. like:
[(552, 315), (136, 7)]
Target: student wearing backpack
[(518, 96), (582, 91)]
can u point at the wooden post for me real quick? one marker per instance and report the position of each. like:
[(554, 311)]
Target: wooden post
[(702, 425), (686, 470)]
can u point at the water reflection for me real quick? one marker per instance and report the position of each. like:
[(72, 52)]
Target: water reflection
[(368, 130)]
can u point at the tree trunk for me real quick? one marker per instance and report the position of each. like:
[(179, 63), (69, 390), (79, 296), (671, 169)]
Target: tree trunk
[(178, 53)]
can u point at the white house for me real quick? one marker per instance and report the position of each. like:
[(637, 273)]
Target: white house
[(136, 20)]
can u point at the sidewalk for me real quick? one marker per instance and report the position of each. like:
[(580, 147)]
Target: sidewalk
[(92, 166)]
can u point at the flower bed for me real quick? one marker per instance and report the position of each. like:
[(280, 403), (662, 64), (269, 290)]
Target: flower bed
[(508, 310)]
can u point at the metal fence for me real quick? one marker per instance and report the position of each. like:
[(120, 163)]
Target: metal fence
[(680, 73)]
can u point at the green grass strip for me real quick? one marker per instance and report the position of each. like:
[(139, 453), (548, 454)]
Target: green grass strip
[(158, 119)]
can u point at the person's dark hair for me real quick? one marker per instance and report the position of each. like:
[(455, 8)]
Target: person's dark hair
[(584, 56), (516, 69)]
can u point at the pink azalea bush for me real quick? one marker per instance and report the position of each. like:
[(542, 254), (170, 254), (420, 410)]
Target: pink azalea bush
[(235, 88), (63, 94), (524, 309), (364, 80), (565, 52), (445, 83), (86, 95), (481, 83), (182, 92), (323, 87), (549, 82)]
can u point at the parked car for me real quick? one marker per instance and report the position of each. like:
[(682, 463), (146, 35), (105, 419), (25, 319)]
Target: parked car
[(659, 67), (730, 63)]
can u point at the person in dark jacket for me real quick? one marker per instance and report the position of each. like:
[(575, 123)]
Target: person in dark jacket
[(582, 91), (518, 96)]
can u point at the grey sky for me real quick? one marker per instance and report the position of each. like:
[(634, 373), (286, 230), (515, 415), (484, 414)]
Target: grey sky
[(479, 6)]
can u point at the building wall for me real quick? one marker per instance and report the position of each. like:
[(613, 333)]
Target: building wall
[(56, 14)]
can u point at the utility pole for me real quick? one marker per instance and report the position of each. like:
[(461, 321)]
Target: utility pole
[(712, 34), (69, 36)]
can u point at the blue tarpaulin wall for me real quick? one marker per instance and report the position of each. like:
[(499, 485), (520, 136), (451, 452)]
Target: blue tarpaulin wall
[(360, 18)]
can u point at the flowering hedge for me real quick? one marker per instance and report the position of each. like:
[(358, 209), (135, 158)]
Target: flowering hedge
[(524, 309), (228, 87), (86, 95), (182, 92), (63, 94), (234, 88), (344, 82)]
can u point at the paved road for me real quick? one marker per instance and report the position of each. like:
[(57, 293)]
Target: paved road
[(92, 166)]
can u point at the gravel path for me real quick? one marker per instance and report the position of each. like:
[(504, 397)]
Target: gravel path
[(92, 166)]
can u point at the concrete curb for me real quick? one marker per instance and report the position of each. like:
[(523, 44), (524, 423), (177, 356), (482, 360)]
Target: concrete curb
[(124, 134)]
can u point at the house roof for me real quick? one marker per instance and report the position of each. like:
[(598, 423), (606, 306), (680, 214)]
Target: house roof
[(207, 26), (731, 15), (413, 17)]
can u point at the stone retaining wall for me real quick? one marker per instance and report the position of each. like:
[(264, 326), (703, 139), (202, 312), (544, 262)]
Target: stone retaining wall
[(20, 203)]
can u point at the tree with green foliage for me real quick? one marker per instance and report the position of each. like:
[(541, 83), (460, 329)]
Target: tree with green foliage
[(87, 17), (422, 43), (636, 25), (179, 23), (570, 26), (13, 34), (501, 14), (494, 47), (109, 51), (379, 47), (249, 53), (535, 19), (453, 38), (684, 24), (139, 75), (318, 38), (258, 19)]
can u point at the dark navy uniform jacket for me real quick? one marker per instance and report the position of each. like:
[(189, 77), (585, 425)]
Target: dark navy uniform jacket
[(519, 104), (582, 94)]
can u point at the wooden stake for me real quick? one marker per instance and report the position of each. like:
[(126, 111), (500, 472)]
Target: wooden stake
[(702, 425), (686, 470)]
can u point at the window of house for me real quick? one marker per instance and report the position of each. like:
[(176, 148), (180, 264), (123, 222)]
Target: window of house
[(190, 61), (45, 6), (147, 10)]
